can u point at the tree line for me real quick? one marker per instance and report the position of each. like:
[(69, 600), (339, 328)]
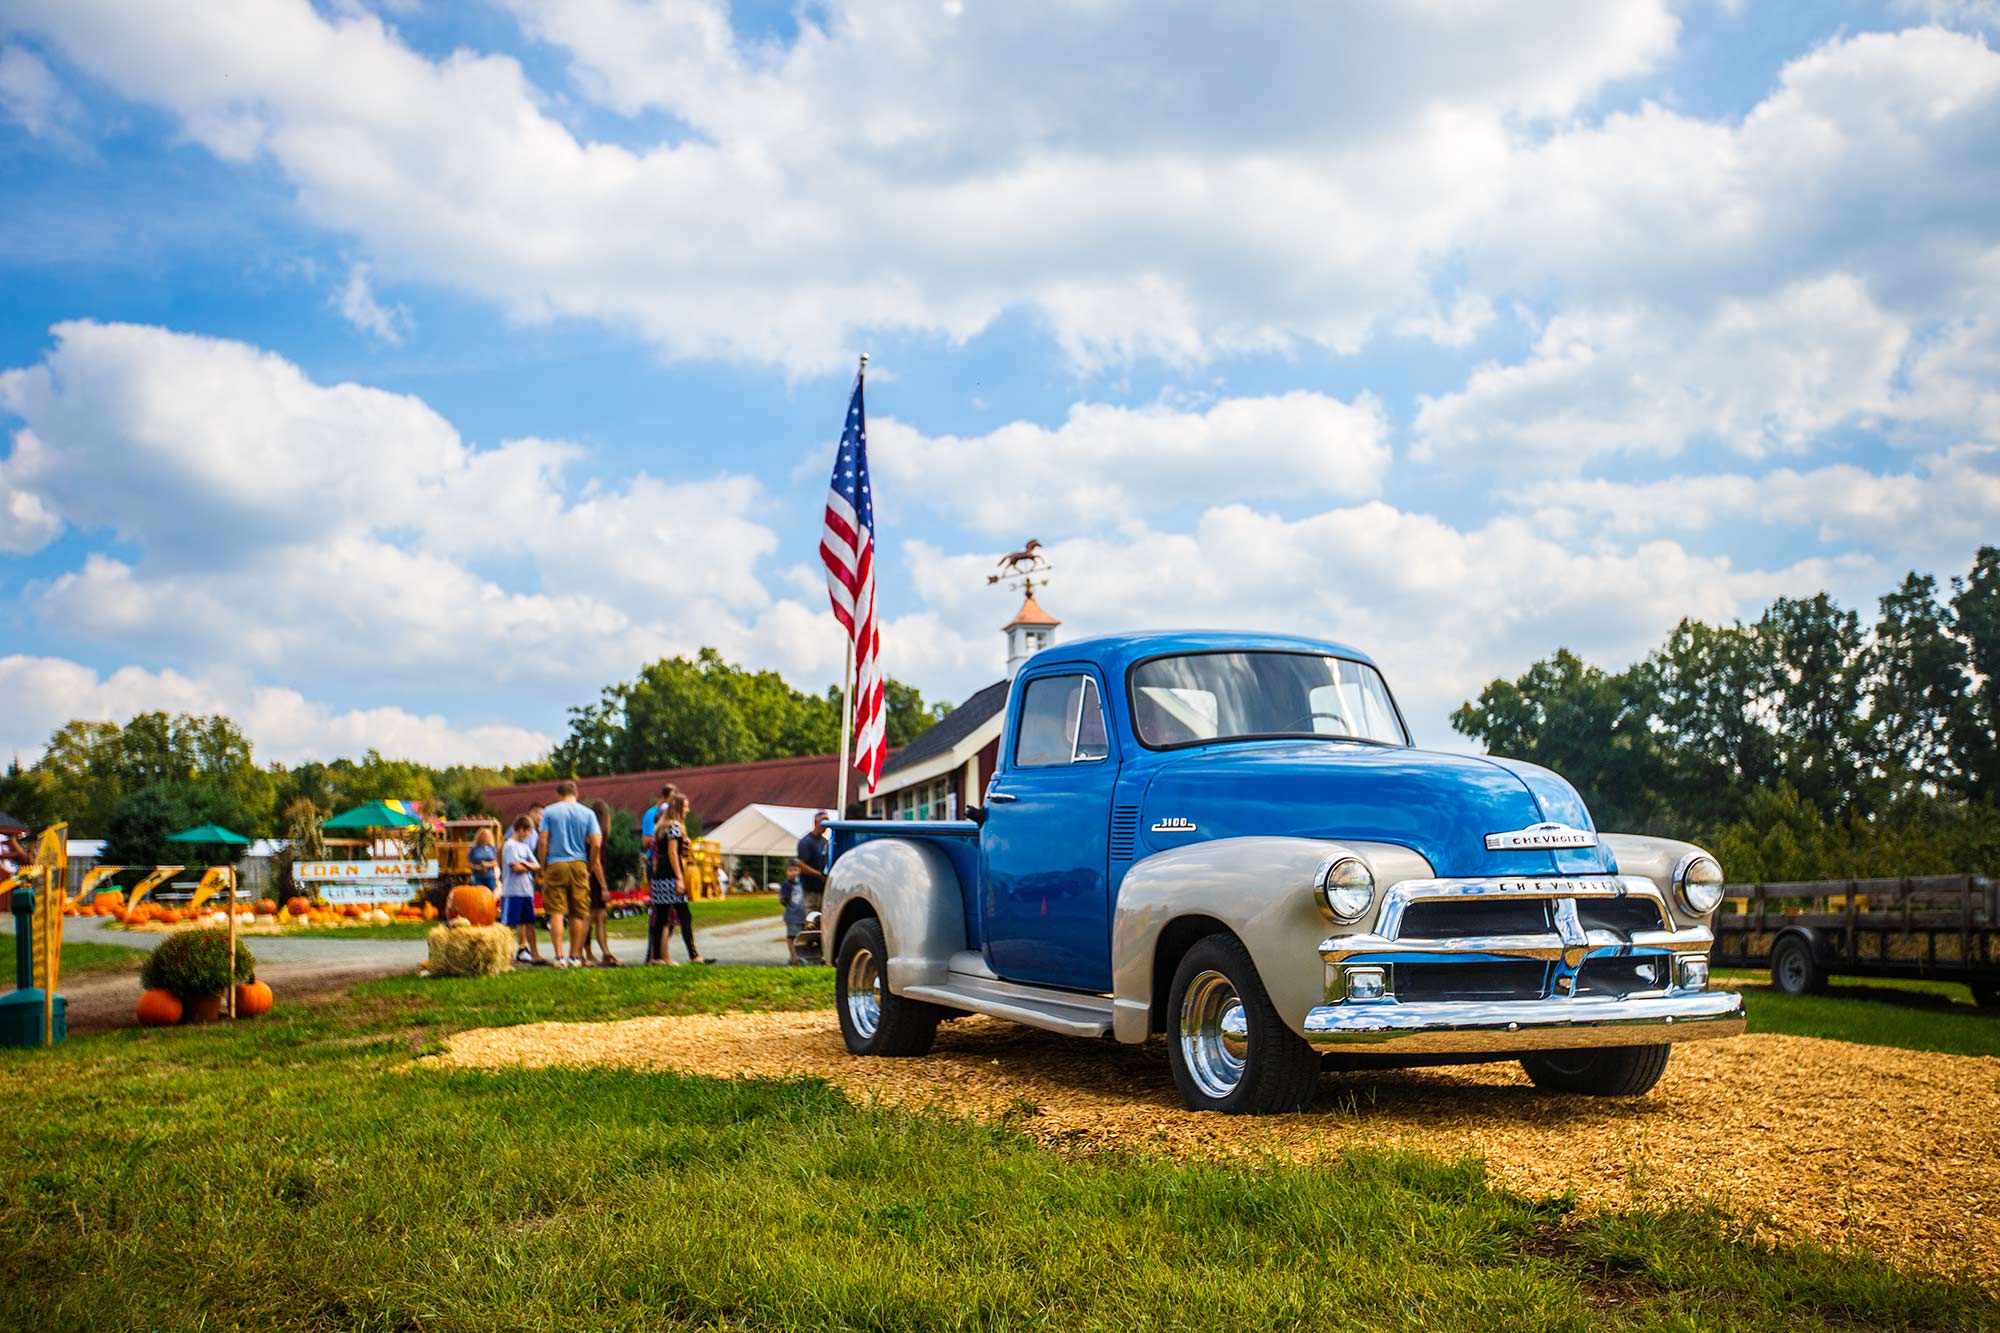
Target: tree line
[(1800, 745), (156, 774)]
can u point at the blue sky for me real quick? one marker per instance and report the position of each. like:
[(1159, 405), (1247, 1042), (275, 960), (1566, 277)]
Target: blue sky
[(399, 374)]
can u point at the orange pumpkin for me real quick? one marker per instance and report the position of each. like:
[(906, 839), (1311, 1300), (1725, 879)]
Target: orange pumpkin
[(298, 906), (118, 914), (252, 998), (474, 902), (159, 1009), (352, 911), (430, 912), (264, 907), (169, 916)]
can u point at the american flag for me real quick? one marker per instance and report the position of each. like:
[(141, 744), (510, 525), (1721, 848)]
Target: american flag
[(847, 546)]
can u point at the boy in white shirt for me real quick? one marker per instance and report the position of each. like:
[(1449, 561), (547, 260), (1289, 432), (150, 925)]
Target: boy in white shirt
[(517, 890)]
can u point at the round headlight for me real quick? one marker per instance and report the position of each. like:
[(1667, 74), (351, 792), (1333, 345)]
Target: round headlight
[(1699, 884), (1347, 890)]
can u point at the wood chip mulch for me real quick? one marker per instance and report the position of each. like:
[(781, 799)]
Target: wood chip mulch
[(1899, 1150)]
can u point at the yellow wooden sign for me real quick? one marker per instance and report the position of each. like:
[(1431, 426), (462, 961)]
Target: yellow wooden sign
[(93, 879), (212, 879), (160, 875), (52, 861)]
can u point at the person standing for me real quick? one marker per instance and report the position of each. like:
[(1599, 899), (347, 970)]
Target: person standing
[(669, 886), (517, 892), (571, 843), (482, 858), (600, 898), (812, 856), (651, 818), (792, 897)]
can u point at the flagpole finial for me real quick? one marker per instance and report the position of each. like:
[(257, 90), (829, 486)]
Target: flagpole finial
[(864, 360)]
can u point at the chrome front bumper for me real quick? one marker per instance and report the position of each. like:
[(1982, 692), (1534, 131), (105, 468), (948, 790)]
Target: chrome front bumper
[(1464, 1026), (1559, 1017)]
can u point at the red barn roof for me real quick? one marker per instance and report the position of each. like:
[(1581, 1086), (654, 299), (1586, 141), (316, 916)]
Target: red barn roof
[(714, 793)]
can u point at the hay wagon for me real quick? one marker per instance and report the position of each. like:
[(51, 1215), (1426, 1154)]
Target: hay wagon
[(1927, 927)]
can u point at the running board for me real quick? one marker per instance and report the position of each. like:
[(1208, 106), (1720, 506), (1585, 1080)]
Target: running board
[(1066, 1012)]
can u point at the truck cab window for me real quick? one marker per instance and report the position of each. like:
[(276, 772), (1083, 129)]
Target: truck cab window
[(1062, 722)]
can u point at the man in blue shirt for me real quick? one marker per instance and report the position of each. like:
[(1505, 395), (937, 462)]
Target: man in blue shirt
[(651, 819), (570, 846)]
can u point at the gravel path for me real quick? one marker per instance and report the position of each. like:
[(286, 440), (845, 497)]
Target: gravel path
[(1897, 1148)]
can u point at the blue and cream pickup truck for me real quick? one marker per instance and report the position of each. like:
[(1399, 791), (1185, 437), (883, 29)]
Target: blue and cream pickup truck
[(1228, 839)]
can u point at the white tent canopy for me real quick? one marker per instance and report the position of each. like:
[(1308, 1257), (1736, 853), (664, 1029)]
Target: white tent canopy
[(762, 830)]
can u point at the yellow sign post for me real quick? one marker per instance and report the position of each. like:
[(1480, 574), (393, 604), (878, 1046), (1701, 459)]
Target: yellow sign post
[(52, 858)]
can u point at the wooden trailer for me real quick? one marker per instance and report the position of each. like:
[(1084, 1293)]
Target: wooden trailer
[(1928, 927)]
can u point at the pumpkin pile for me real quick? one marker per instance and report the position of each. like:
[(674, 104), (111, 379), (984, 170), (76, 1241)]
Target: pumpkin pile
[(185, 977)]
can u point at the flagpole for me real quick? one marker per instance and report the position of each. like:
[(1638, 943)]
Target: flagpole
[(847, 671)]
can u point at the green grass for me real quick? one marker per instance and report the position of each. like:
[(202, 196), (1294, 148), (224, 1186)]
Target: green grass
[(79, 955), (1914, 1015), (299, 1172)]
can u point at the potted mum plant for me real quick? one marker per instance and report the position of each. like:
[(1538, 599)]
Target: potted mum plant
[(194, 966)]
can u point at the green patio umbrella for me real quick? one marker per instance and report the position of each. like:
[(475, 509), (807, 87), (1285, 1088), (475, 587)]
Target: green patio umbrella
[(210, 833), (375, 814)]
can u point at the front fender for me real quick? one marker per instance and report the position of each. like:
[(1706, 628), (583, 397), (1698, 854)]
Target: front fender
[(1657, 859), (1261, 890), (914, 892)]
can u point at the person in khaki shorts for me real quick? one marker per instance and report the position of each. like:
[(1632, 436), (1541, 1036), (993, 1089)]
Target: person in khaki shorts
[(570, 846)]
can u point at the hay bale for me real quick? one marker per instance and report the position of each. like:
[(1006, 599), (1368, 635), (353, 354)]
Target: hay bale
[(470, 951)]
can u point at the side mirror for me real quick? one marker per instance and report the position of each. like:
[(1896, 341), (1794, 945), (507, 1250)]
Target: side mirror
[(976, 813)]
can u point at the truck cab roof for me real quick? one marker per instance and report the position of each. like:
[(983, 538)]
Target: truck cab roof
[(1114, 653)]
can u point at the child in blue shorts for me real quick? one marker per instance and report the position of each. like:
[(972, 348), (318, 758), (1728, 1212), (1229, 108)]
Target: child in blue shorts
[(517, 890)]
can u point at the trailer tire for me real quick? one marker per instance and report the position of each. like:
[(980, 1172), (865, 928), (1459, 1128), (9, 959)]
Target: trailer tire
[(1794, 969), (1986, 994), (1259, 1068), (1616, 1071), (873, 1019)]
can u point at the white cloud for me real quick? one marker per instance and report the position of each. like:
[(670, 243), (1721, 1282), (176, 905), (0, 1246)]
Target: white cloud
[(31, 97), (1105, 466), (1760, 376), (1444, 610), (45, 692), (336, 532), (357, 305), (1938, 512), (897, 166)]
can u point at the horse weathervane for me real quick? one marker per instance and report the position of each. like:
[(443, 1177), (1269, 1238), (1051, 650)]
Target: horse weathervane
[(1021, 568)]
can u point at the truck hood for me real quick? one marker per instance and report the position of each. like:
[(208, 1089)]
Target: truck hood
[(1439, 805)]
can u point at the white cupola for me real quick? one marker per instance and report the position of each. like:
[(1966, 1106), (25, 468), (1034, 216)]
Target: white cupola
[(1031, 630)]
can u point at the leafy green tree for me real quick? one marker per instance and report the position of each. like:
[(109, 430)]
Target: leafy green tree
[(1919, 698), (29, 795), (136, 833), (1975, 614), (91, 766), (1818, 682), (1568, 715), (1706, 690)]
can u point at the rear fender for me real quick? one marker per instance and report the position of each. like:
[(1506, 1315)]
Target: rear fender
[(1262, 891), (914, 891)]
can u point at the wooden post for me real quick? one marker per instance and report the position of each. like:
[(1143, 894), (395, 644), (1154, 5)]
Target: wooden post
[(232, 941)]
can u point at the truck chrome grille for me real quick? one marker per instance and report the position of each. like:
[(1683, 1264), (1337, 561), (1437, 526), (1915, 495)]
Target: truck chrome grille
[(1460, 918), (1624, 915), (1623, 976), (1471, 981)]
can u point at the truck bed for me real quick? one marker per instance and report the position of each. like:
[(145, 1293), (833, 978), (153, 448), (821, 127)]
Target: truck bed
[(958, 839)]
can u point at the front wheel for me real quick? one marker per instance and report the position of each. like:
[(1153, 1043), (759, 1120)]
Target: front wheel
[(873, 1020), (1229, 1050), (1617, 1071)]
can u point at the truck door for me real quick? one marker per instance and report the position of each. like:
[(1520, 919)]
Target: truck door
[(1047, 902)]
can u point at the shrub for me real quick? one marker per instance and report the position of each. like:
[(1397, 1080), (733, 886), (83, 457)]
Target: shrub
[(196, 962)]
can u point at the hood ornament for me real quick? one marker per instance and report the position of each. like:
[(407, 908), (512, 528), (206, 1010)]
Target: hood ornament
[(1540, 838)]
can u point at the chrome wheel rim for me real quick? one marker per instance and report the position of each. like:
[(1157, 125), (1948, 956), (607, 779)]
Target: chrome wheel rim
[(1215, 1035), (864, 993)]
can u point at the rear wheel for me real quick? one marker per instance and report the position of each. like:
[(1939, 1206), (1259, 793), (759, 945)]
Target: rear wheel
[(1794, 970), (1229, 1050), (1617, 1071), (873, 1020), (1986, 994)]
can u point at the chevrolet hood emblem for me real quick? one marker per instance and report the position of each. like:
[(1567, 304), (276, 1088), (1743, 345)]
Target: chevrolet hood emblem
[(1540, 838)]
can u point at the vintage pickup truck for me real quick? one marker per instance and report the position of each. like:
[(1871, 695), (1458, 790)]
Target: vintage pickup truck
[(1228, 838)]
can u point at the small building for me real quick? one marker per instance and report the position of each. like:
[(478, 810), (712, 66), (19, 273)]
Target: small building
[(945, 770)]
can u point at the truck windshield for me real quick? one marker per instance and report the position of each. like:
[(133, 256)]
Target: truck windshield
[(1202, 697)]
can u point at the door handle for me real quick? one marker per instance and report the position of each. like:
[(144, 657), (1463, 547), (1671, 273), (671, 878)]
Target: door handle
[(1000, 798)]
